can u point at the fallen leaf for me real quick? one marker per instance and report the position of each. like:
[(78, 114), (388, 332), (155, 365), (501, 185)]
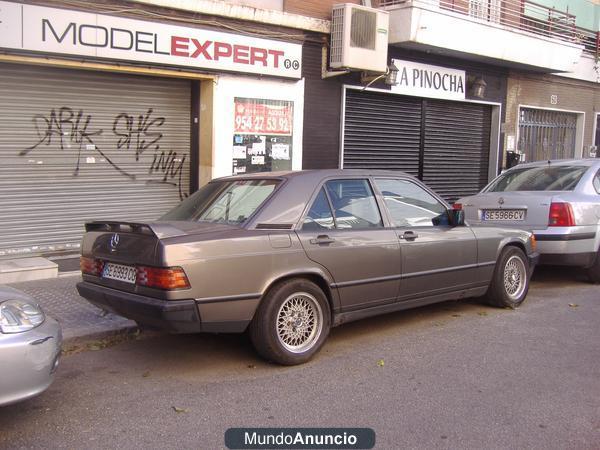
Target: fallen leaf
[(455, 315), (95, 346), (179, 410), (482, 313), (573, 305), (146, 374), (381, 363), (251, 366)]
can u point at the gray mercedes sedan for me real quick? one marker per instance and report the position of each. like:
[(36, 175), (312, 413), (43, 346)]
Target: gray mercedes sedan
[(559, 201), (30, 345), (288, 255)]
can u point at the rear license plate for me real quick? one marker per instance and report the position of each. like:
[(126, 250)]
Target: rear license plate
[(119, 272), (503, 214)]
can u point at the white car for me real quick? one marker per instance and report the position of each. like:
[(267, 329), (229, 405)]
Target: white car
[(30, 345), (559, 201)]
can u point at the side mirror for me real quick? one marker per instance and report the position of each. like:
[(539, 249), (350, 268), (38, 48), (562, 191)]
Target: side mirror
[(457, 217)]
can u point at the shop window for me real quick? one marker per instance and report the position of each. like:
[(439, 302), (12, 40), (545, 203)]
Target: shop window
[(262, 140)]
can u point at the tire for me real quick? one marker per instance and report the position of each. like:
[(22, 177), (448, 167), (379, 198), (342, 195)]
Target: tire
[(272, 332), (510, 282), (593, 272)]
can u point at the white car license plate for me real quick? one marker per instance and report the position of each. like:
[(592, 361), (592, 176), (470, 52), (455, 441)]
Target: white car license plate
[(503, 214), (119, 272)]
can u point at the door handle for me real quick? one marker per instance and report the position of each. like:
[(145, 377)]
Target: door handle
[(409, 236), (322, 239)]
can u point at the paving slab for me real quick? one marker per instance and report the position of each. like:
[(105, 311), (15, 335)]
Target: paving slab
[(80, 319)]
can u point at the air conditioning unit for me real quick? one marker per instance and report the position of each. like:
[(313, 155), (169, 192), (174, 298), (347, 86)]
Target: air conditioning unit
[(359, 38)]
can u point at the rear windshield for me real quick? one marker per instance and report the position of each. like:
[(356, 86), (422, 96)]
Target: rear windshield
[(230, 202), (546, 178)]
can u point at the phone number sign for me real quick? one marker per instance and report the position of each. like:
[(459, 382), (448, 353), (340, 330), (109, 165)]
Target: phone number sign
[(257, 116)]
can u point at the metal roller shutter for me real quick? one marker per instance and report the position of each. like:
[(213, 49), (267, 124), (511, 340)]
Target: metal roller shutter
[(381, 132), (446, 143), (79, 145), (457, 146)]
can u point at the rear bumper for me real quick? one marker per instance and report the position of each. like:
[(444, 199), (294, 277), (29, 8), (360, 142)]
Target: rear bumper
[(566, 246), (175, 316), (568, 259)]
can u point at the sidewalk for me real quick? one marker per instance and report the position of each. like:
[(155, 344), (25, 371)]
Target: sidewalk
[(80, 320)]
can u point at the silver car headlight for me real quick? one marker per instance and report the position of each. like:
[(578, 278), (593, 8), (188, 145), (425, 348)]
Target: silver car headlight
[(17, 316)]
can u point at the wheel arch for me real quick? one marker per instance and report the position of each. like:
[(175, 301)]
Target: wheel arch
[(316, 277), (512, 242), (518, 244)]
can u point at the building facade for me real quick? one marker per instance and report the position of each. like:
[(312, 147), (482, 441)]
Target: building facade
[(120, 110), (529, 91)]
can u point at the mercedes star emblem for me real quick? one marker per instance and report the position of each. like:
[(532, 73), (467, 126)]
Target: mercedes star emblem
[(114, 242)]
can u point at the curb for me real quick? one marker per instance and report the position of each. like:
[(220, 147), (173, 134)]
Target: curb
[(100, 334), (102, 339)]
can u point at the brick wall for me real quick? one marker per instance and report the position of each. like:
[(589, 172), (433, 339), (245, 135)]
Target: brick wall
[(536, 90)]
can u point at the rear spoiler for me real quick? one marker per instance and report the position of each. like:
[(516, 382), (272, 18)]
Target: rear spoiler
[(160, 230)]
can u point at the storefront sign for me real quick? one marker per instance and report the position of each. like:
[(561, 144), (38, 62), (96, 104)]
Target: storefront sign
[(51, 30), (424, 80), (263, 117)]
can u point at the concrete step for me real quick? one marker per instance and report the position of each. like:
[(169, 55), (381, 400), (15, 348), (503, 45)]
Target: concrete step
[(27, 269)]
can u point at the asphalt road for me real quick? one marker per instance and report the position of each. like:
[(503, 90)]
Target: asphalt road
[(454, 375)]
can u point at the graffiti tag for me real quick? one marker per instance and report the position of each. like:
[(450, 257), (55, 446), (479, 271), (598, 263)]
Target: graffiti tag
[(138, 134), (68, 128), (171, 169)]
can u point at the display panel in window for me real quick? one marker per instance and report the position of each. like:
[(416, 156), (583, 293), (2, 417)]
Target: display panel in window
[(263, 132)]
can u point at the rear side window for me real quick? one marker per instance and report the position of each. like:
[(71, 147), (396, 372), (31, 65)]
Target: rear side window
[(320, 216), (354, 204), (544, 178), (596, 182), (411, 205), (230, 202)]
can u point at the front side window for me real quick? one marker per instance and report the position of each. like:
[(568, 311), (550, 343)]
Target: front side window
[(354, 205), (542, 178), (230, 202), (411, 205)]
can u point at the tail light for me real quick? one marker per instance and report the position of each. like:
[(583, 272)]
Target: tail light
[(162, 277), (91, 266), (457, 206), (561, 215)]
